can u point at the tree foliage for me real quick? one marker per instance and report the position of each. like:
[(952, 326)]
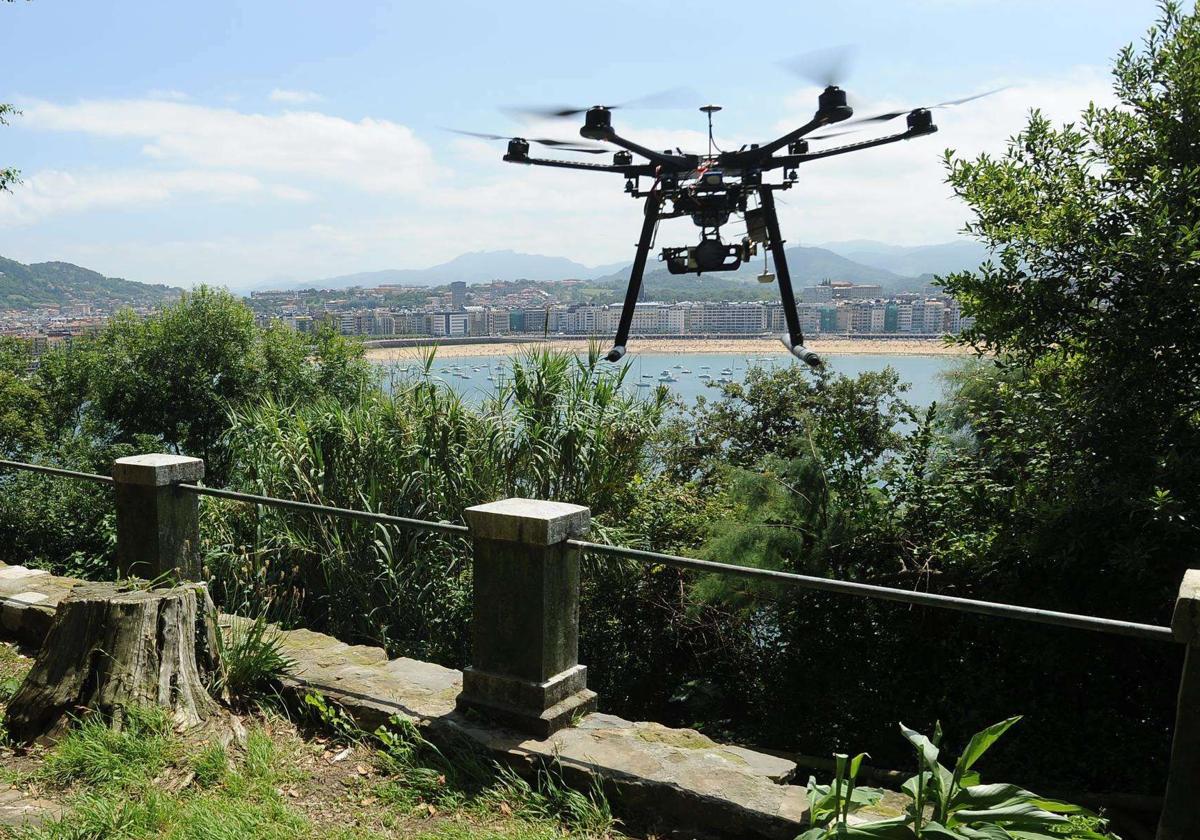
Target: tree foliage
[(8, 175)]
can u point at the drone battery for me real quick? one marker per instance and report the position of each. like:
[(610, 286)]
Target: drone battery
[(756, 225)]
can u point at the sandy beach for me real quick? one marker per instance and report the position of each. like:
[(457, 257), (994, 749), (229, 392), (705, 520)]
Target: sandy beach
[(751, 346)]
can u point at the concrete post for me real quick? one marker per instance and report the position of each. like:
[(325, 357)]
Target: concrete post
[(1181, 808), (158, 526), (525, 669)]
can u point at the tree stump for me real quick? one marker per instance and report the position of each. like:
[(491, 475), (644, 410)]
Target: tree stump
[(111, 648)]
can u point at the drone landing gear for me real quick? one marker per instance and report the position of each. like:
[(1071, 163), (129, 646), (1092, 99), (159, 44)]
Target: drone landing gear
[(653, 205), (794, 339)]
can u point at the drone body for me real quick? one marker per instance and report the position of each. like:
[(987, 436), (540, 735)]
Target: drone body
[(710, 189)]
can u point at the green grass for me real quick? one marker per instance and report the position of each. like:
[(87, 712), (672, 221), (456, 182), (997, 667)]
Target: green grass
[(99, 755), (13, 667), (252, 653), (144, 782)]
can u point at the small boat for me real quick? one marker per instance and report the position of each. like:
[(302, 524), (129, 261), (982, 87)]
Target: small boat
[(685, 370), (705, 376), (667, 379)]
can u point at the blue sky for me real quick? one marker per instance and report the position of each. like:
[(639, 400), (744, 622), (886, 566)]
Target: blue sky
[(238, 143)]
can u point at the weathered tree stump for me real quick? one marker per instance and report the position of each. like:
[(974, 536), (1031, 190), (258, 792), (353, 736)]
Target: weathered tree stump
[(111, 648)]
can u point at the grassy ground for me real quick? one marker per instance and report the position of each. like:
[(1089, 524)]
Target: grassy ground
[(281, 781)]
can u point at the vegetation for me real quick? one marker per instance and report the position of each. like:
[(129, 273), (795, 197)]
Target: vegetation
[(8, 175), (144, 781), (1060, 471), (947, 805), (254, 661), (60, 284)]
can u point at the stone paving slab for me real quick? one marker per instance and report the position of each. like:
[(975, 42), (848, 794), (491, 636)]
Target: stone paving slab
[(18, 809), (28, 599), (656, 776)]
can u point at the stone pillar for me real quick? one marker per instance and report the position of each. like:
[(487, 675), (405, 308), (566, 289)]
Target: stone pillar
[(1181, 807), (158, 525), (525, 669)]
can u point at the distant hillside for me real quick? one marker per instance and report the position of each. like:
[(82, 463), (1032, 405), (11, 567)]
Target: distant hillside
[(808, 266), (943, 258), (475, 267), (49, 284)]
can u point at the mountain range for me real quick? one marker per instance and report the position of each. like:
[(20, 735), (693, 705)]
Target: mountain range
[(895, 267), (473, 267), (58, 284), (859, 261)]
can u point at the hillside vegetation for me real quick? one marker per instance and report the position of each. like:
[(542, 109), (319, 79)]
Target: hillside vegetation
[(49, 284)]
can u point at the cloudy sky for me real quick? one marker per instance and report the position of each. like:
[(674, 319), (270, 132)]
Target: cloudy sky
[(238, 143)]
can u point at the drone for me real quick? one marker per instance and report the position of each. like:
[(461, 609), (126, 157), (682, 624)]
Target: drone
[(713, 187)]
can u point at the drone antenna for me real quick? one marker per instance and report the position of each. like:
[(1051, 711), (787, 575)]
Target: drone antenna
[(710, 110)]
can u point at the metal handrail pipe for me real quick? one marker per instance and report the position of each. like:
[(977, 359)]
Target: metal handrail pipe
[(309, 507), (59, 471), (886, 593)]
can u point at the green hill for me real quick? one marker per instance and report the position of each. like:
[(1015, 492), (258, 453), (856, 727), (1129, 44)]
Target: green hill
[(49, 284)]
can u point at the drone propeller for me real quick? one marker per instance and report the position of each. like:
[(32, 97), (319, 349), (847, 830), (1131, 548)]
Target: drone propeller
[(561, 145), (891, 115), (673, 98), (823, 67)]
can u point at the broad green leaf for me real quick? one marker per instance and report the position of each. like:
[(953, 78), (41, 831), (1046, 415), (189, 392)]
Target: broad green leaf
[(894, 829), (979, 744), (856, 763), (1020, 813), (991, 796), (925, 748), (937, 830), (984, 832)]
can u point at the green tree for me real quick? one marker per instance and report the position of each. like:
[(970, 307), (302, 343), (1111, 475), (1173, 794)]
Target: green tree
[(177, 374), (1092, 298)]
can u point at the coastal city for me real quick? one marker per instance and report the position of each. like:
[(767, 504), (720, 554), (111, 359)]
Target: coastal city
[(833, 307), (458, 311)]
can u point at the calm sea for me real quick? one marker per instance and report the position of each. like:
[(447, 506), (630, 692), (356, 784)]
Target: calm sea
[(475, 376)]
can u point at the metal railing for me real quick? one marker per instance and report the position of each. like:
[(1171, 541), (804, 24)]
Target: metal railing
[(1017, 612), (557, 611)]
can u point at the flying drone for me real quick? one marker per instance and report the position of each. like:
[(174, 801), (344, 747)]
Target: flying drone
[(710, 188)]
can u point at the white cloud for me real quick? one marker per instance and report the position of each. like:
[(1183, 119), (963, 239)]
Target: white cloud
[(897, 193), (295, 97), (51, 192), (370, 154), (474, 202)]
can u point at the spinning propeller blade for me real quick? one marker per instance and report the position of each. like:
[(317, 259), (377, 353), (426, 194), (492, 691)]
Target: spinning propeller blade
[(672, 98), (561, 145), (823, 67), (891, 115)]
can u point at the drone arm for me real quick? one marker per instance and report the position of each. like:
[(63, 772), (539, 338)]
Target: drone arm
[(795, 160), (775, 145), (627, 171), (674, 162)]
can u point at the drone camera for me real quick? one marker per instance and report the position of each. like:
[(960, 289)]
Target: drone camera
[(518, 151), (597, 123)]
